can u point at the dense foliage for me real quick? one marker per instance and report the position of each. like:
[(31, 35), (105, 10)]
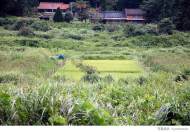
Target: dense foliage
[(68, 17), (18, 7), (176, 10), (58, 17)]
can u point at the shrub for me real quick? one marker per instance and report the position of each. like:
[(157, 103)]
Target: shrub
[(133, 30), (112, 28), (140, 31), (2, 21), (98, 27), (116, 37), (91, 78), (96, 35), (8, 26), (41, 25), (58, 17), (126, 53), (106, 52), (129, 30), (123, 81), (43, 35), (165, 26), (5, 21), (126, 44), (83, 31), (109, 78), (152, 29), (19, 24), (26, 31), (74, 36), (84, 67), (68, 17)]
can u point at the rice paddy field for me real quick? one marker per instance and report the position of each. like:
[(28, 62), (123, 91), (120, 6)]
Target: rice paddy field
[(116, 68)]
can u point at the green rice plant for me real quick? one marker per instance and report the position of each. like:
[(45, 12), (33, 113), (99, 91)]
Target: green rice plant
[(117, 68)]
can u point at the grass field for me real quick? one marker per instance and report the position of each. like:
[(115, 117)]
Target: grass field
[(117, 68)]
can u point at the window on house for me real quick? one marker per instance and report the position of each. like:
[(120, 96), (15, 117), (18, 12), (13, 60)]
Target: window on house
[(137, 16)]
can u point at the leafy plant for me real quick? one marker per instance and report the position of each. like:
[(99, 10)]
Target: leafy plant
[(68, 17), (165, 26), (26, 31), (41, 25), (84, 67), (98, 27)]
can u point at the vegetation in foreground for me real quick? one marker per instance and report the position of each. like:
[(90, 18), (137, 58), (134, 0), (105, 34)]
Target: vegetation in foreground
[(159, 97)]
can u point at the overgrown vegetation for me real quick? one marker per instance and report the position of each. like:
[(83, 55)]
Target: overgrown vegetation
[(111, 90)]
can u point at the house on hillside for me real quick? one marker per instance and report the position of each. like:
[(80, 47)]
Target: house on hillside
[(49, 6), (135, 16), (116, 17)]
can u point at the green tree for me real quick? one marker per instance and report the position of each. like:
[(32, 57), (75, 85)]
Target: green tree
[(177, 10), (82, 4), (68, 17), (83, 15), (103, 5), (165, 26), (58, 17), (84, 10), (6, 5), (74, 7), (21, 7)]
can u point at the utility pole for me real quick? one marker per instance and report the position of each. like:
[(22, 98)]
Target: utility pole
[(52, 11), (71, 7)]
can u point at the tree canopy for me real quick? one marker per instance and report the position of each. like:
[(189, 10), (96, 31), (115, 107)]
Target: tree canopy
[(17, 7), (176, 10)]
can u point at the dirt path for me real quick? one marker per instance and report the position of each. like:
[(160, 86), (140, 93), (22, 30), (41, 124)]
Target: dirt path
[(142, 66)]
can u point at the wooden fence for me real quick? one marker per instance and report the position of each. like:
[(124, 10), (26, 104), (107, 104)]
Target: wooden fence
[(49, 74)]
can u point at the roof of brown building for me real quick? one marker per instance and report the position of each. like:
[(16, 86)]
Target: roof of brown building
[(50, 5), (110, 14), (135, 11)]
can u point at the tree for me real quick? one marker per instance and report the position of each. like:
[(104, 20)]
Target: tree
[(165, 26), (58, 17), (68, 17), (6, 5), (177, 10), (84, 7), (22, 7), (82, 4), (74, 7), (83, 15), (103, 5)]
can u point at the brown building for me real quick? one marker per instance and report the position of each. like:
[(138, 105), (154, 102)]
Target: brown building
[(135, 16), (49, 6)]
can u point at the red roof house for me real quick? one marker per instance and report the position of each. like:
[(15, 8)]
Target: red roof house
[(48, 6)]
